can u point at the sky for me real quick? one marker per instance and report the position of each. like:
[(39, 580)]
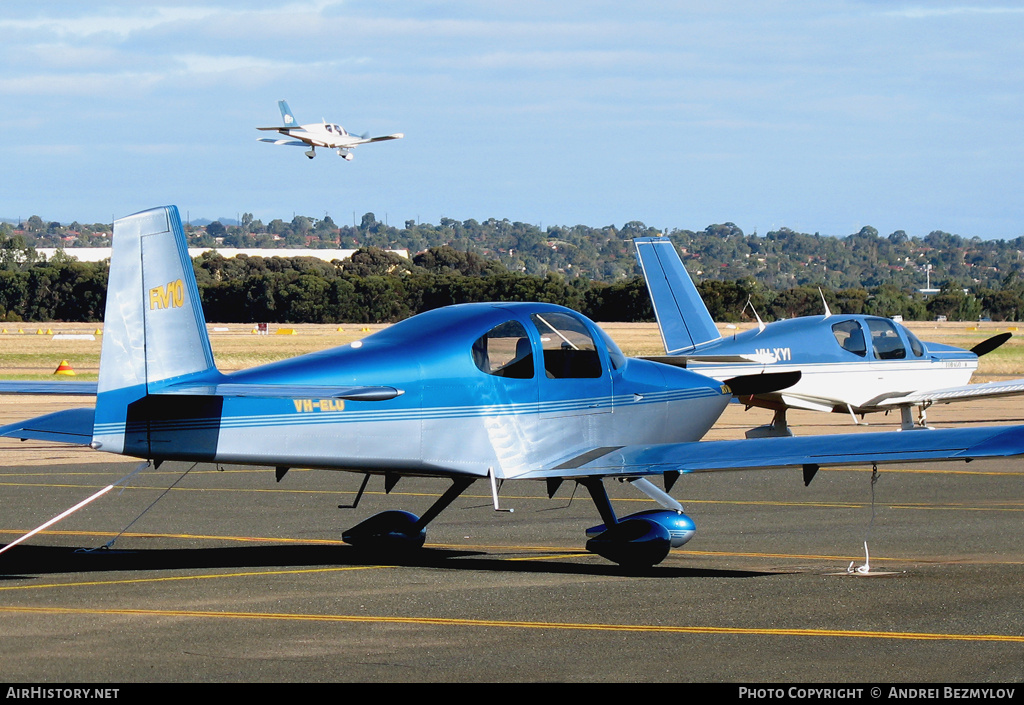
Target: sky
[(819, 117)]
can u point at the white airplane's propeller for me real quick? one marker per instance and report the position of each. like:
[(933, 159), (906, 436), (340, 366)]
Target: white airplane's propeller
[(763, 383), (987, 346)]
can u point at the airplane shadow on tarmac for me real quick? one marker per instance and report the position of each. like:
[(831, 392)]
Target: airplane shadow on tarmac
[(29, 561)]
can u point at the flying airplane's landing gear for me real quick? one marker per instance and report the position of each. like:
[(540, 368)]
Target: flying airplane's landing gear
[(639, 540), (345, 154), (778, 428), (400, 530), (311, 152)]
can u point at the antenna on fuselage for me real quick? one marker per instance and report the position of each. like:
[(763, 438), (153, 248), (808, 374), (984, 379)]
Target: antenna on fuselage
[(828, 312), (750, 303)]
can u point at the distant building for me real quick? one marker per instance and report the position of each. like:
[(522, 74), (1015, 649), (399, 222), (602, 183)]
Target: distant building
[(98, 254)]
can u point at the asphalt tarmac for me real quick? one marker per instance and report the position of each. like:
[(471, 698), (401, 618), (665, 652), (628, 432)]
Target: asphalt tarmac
[(230, 576)]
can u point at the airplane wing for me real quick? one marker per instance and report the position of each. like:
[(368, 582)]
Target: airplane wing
[(290, 143), (797, 451), (396, 136), (1004, 388)]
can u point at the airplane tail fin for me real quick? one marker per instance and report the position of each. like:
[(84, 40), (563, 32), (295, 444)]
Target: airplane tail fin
[(154, 330), (683, 318), (286, 114)]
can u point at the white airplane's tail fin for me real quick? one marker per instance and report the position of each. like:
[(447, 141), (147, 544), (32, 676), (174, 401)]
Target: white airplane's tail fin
[(683, 318), (154, 332), (286, 114)]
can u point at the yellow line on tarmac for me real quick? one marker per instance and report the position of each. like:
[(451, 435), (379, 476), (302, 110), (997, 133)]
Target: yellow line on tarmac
[(450, 622), (132, 581), (554, 552), (204, 537)]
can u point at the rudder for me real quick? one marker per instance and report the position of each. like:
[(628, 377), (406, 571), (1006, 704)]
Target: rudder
[(683, 318), (154, 331), (286, 114)]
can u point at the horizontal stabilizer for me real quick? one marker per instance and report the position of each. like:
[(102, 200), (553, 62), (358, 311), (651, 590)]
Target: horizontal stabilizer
[(797, 451), (280, 391), (65, 388), (685, 360), (69, 426)]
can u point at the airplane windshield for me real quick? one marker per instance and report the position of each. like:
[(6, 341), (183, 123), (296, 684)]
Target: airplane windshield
[(916, 346), (616, 355), (569, 350)]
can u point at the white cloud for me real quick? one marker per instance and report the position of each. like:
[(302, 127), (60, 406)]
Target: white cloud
[(127, 18), (926, 12)]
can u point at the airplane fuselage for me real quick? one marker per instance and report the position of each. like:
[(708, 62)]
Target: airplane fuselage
[(465, 409), (848, 362), (323, 135)]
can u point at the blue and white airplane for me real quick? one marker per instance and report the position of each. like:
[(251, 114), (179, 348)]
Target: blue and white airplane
[(322, 134), (492, 392), (848, 363)]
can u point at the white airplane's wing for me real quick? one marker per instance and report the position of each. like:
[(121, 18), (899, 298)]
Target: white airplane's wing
[(290, 143), (803, 451), (396, 136), (1005, 388)]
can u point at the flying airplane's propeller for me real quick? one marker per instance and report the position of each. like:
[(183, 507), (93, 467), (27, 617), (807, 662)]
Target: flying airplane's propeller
[(987, 346), (749, 385)]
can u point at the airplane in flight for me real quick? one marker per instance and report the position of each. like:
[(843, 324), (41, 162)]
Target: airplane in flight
[(850, 364), (322, 134), (493, 392)]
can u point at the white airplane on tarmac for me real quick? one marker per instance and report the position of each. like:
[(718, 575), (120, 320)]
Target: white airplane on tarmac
[(853, 364), (321, 134)]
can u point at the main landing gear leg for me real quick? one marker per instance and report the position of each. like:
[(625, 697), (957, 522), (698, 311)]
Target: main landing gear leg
[(778, 428), (636, 541), (397, 529), (595, 486)]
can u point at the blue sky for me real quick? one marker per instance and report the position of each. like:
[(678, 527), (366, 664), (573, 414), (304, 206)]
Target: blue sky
[(821, 117)]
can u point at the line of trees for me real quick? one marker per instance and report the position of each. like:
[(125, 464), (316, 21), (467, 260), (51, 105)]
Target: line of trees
[(378, 286), (780, 259)]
